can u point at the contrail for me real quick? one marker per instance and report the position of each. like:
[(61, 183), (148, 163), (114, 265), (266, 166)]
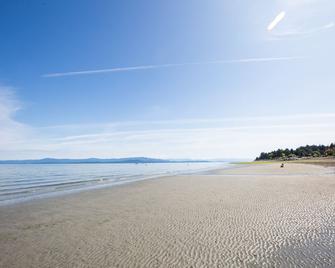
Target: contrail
[(147, 67), (277, 19)]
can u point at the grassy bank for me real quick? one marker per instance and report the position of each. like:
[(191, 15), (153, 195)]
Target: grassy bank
[(328, 162), (255, 162)]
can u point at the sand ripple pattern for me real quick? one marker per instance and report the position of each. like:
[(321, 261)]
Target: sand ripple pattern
[(214, 220)]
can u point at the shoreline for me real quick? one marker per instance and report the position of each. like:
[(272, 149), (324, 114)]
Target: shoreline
[(245, 216), (61, 193)]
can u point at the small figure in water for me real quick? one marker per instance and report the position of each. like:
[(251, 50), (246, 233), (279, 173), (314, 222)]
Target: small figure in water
[(282, 165)]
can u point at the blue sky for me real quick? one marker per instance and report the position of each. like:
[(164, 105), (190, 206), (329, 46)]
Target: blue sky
[(211, 80)]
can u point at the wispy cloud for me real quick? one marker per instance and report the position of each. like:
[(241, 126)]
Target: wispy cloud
[(170, 65), (304, 18), (212, 138), (297, 32), (10, 130), (183, 138), (276, 20)]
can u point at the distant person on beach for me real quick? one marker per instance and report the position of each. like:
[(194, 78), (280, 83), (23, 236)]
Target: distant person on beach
[(282, 165)]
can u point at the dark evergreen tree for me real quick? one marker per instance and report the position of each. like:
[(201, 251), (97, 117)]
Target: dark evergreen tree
[(302, 151)]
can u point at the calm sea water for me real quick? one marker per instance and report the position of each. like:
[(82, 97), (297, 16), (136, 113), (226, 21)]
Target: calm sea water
[(28, 181)]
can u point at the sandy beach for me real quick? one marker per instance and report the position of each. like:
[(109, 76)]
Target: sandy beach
[(257, 215)]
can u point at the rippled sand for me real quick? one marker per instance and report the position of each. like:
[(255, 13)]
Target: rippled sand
[(248, 216)]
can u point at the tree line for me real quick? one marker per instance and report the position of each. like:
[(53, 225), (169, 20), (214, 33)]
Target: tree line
[(303, 151)]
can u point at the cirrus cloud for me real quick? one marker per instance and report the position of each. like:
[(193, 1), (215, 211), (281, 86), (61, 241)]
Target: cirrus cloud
[(303, 18), (11, 131)]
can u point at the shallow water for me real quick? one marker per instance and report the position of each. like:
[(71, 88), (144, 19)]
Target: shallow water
[(20, 182)]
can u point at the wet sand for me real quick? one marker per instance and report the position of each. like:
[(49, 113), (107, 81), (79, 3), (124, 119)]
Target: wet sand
[(257, 215)]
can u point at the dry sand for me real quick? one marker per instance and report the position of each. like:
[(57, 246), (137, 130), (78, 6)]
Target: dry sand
[(248, 216)]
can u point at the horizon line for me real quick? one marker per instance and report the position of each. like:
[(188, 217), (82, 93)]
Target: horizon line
[(130, 159)]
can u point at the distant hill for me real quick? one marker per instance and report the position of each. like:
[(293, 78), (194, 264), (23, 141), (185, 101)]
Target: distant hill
[(308, 151), (130, 160)]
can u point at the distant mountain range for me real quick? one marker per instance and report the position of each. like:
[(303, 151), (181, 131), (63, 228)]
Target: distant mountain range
[(130, 160)]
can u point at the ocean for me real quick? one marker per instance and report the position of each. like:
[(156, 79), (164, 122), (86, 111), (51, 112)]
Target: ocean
[(22, 182)]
